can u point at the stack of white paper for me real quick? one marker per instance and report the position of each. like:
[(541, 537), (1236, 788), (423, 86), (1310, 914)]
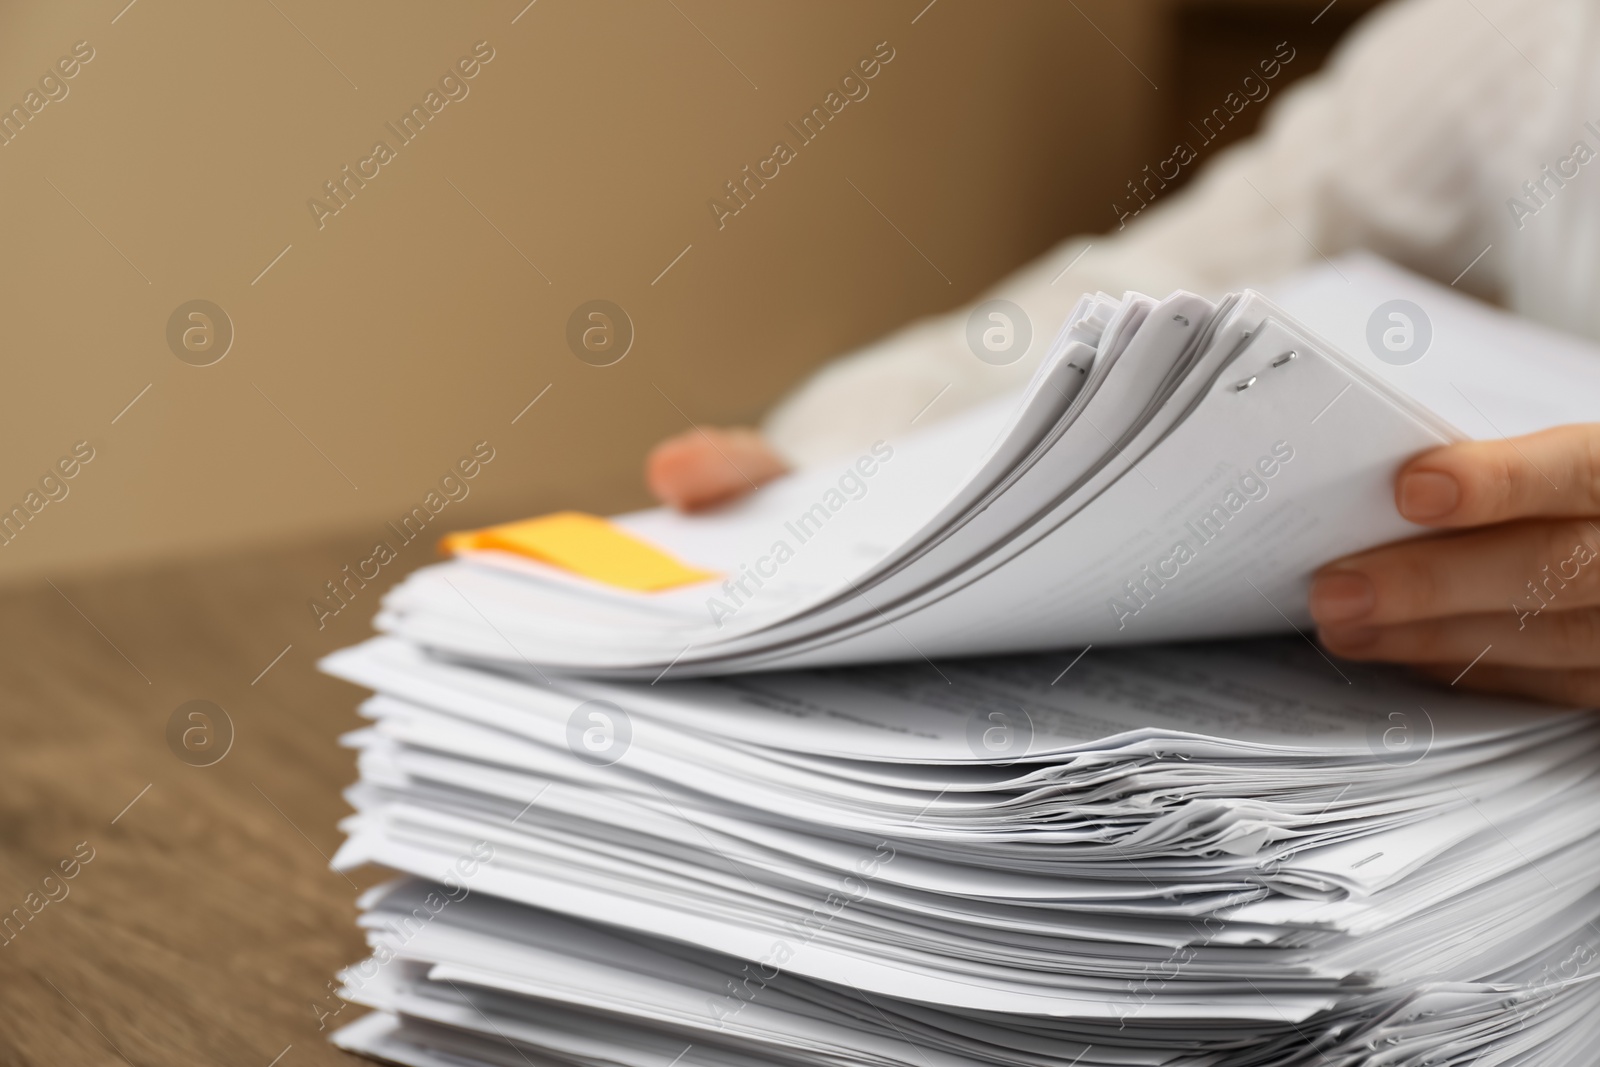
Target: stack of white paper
[(1176, 469), (1196, 854), (689, 828)]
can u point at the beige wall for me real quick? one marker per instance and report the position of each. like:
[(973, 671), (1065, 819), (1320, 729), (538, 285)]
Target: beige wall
[(408, 327)]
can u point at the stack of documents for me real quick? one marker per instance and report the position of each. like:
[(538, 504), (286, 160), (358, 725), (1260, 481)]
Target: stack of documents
[(1184, 855), (678, 824), (1176, 469)]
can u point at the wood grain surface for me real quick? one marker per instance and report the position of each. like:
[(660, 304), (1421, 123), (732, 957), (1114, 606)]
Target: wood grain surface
[(207, 924)]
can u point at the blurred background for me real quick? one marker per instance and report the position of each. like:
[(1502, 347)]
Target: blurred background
[(374, 346)]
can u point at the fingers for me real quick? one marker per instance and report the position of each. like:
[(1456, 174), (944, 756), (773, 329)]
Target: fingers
[(1552, 473), (1557, 639), (1517, 568), (1571, 688), (707, 465), (1513, 607)]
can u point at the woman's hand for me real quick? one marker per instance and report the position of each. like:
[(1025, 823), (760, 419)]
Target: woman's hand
[(707, 465), (1514, 589)]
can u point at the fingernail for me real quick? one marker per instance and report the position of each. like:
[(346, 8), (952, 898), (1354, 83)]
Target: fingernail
[(1342, 597), (1428, 495)]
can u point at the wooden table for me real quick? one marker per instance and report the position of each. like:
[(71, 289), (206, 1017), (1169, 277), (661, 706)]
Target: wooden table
[(207, 925)]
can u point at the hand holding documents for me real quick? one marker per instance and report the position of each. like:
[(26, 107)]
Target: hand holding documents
[(1176, 469), (651, 810)]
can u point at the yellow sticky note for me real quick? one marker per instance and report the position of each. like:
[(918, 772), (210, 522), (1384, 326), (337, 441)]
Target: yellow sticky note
[(586, 545)]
